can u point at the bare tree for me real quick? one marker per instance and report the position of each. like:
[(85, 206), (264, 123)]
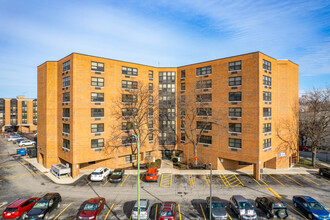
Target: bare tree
[(136, 114), (315, 122)]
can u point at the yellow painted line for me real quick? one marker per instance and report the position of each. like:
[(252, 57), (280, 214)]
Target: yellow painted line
[(124, 180), (295, 210), (161, 180), (88, 183), (191, 181), (141, 178), (276, 179), (223, 179), (275, 193), (322, 177), (109, 211), (179, 212), (7, 154), (203, 211), (16, 164), (308, 179), (229, 216), (171, 181), (106, 182), (239, 180), (265, 184), (130, 217), (62, 211), (254, 179), (156, 212), (206, 181), (293, 179)]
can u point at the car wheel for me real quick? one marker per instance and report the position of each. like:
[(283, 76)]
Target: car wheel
[(23, 215), (295, 204), (310, 216), (46, 216), (257, 205), (321, 173), (268, 215), (58, 205)]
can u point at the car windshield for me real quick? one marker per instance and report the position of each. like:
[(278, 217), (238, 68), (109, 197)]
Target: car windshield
[(142, 209), (96, 173), (217, 205), (11, 210), (278, 205), (41, 205), (151, 174), (315, 205), (166, 213), (245, 205), (116, 173), (90, 207)]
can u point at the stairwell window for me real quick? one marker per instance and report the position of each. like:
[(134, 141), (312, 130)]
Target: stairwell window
[(267, 96), (267, 65), (151, 75), (267, 127), (66, 66), (267, 81), (66, 97), (267, 143), (66, 81), (267, 112), (66, 113), (66, 128), (66, 144)]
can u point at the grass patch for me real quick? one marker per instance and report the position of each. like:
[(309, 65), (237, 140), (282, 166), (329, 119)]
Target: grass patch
[(306, 164)]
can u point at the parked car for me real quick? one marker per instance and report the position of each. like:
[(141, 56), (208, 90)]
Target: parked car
[(218, 208), (310, 207), (303, 148), (272, 206), (17, 141), (14, 137), (26, 143), (324, 171), (167, 211), (100, 174), (43, 208), (242, 207), (145, 207), (19, 208), (117, 175), (152, 174), (92, 208)]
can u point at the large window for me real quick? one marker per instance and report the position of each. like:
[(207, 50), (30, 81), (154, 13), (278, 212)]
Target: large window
[(235, 143), (267, 143), (235, 112), (183, 138), (204, 139), (66, 144), (267, 81), (267, 112), (66, 113), (235, 96), (235, 81), (24, 112), (183, 86), (97, 97), (125, 126), (129, 98), (235, 127), (204, 98), (97, 81), (129, 84), (267, 127), (151, 74), (151, 87), (151, 137), (207, 70), (66, 97), (66, 81), (150, 124), (97, 112), (13, 111), (232, 66), (203, 125), (129, 71), (267, 65), (97, 143), (267, 96), (95, 128), (204, 84), (128, 140), (66, 128), (130, 158), (96, 66), (128, 112), (204, 112), (35, 112), (183, 74), (66, 66), (2, 112)]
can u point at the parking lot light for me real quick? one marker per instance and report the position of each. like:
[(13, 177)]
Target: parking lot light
[(138, 173), (210, 191)]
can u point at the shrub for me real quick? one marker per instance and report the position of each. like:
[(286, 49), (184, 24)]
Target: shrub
[(175, 160), (179, 165), (158, 160)]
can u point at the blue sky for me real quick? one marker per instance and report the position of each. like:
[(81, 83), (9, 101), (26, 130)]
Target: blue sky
[(161, 33)]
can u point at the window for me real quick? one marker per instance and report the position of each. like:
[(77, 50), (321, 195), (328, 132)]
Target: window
[(150, 112), (148, 155), (66, 113), (235, 112), (97, 143), (151, 74), (129, 98), (97, 112), (233, 66), (204, 111), (204, 98), (267, 143), (129, 71), (97, 81), (267, 127), (183, 138), (66, 66), (235, 143), (183, 112), (128, 140), (267, 112), (66, 81), (235, 81), (151, 87), (204, 84), (204, 139), (235, 127), (267, 65), (151, 137), (66, 97), (235, 96), (183, 86), (151, 100), (183, 100), (66, 144), (130, 158), (204, 125), (241, 163), (125, 126), (183, 74), (267, 96), (66, 128), (2, 112), (267, 81), (129, 84), (96, 66), (207, 70), (97, 97), (150, 125), (97, 128), (129, 112), (182, 124)]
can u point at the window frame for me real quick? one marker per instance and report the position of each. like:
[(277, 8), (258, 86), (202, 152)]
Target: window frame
[(204, 71), (98, 140), (267, 96), (235, 95), (235, 115), (129, 71), (235, 141), (93, 110), (235, 66), (99, 68), (66, 81), (98, 129), (99, 97), (237, 81), (66, 97), (235, 127), (266, 80), (208, 139), (99, 83)]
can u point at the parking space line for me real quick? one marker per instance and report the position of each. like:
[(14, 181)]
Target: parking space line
[(88, 183), (275, 193), (309, 179), (276, 179), (293, 179), (21, 175), (295, 210), (265, 184), (16, 164), (109, 211), (206, 181), (124, 180), (156, 212), (231, 179), (229, 216), (179, 211), (166, 180), (239, 180), (141, 178), (62, 211), (191, 180), (7, 154), (321, 177), (224, 180), (130, 217), (106, 182), (203, 211)]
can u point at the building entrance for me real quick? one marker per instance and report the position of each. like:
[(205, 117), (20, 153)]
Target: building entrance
[(167, 154)]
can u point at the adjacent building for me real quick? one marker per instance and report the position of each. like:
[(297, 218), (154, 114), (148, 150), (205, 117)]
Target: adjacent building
[(250, 98)]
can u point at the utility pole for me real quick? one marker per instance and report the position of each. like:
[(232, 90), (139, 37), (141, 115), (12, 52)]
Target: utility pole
[(138, 173), (210, 191)]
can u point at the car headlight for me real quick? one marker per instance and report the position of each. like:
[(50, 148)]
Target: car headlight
[(91, 217), (40, 216), (315, 215)]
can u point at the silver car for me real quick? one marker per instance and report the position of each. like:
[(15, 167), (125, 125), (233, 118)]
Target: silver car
[(242, 207), (218, 208), (145, 207)]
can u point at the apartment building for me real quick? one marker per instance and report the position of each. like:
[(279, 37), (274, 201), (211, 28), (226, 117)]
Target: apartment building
[(20, 113), (250, 98)]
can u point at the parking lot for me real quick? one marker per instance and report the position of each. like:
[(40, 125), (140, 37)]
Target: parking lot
[(19, 179)]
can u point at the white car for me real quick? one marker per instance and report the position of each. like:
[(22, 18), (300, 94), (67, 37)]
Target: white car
[(145, 207), (100, 174), (14, 137), (26, 143)]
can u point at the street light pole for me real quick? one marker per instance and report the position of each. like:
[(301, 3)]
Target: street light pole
[(138, 174), (210, 191)]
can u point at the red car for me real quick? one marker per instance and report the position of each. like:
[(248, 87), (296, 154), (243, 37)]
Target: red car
[(152, 174), (92, 208), (19, 208), (303, 148), (167, 211)]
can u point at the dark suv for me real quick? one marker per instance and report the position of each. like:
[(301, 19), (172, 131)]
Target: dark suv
[(42, 209), (272, 206)]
